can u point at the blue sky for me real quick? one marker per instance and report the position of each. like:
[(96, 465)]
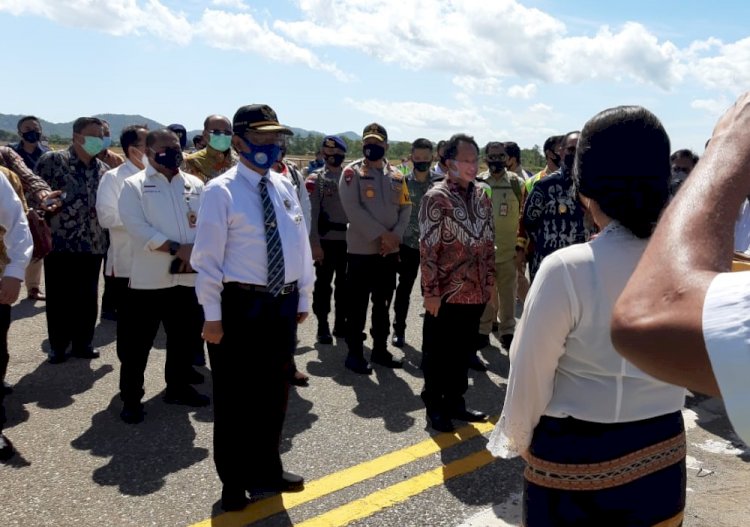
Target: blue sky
[(500, 70)]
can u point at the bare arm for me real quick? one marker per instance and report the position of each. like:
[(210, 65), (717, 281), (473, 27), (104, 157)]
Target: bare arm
[(657, 321)]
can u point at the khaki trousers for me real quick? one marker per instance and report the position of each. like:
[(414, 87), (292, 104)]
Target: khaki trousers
[(502, 306)]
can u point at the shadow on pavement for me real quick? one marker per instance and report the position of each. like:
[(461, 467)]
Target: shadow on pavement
[(712, 417), (26, 309), (52, 386), (298, 419), (142, 455)]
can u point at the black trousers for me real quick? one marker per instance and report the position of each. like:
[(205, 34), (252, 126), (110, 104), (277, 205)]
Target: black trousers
[(408, 267), (144, 309), (334, 262), (369, 276), (447, 342), (113, 297), (72, 281), (4, 356), (251, 384)]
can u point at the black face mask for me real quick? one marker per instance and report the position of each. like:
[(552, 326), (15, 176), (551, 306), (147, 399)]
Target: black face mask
[(335, 160), (171, 158), (568, 161), (421, 166), (496, 166), (32, 136), (373, 152)]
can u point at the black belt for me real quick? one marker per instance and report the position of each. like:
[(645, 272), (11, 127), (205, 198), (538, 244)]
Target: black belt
[(285, 289)]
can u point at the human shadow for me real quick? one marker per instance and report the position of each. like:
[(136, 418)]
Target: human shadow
[(26, 309), (52, 386), (265, 511), (298, 418), (141, 455), (712, 417)]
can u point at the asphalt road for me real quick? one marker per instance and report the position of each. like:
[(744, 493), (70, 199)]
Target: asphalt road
[(361, 443)]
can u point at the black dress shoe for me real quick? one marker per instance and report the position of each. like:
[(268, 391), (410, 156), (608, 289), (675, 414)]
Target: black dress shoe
[(398, 341), (506, 341), (470, 416), (56, 357), (88, 353), (6, 448), (440, 422), (358, 364), (384, 358), (233, 499), (482, 341), (195, 377), (132, 413), (325, 338), (187, 397), (476, 364), (287, 482)]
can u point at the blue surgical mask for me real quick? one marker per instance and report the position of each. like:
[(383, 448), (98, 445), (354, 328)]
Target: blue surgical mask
[(262, 156), (92, 145), (107, 142)]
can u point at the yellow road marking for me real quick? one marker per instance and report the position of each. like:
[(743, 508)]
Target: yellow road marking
[(390, 496), (347, 477)]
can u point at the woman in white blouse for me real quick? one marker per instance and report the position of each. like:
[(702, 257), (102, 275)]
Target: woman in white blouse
[(604, 442)]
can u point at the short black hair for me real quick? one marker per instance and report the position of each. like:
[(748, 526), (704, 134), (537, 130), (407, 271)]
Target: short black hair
[(513, 150), (154, 135), (129, 136), (685, 153), (441, 144), (215, 116), (82, 122), (27, 118), (197, 139), (552, 142), (451, 146), (632, 194), (421, 143), (493, 144)]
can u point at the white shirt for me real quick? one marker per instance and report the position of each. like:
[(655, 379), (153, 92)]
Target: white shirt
[(120, 252), (562, 361), (726, 332), (742, 229), (230, 245), (17, 239), (155, 210)]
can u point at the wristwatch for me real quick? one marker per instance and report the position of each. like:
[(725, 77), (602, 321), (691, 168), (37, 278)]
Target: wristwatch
[(174, 247)]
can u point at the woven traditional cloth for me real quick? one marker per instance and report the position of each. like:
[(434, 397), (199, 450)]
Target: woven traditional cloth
[(273, 242)]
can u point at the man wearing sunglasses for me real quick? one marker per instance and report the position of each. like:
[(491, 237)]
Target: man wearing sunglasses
[(218, 156)]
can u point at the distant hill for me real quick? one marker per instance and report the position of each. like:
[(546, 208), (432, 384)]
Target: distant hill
[(119, 121)]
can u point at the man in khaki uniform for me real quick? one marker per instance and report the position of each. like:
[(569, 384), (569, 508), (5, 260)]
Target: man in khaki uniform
[(217, 157), (504, 189), (376, 201)]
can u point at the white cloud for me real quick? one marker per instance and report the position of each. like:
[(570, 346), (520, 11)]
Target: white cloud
[(115, 17), (484, 86), (522, 92), (239, 5), (242, 32), (727, 70), (540, 107)]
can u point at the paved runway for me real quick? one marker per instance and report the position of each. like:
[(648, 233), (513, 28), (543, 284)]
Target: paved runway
[(361, 442)]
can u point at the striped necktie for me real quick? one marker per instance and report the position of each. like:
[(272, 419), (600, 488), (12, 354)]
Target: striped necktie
[(274, 250)]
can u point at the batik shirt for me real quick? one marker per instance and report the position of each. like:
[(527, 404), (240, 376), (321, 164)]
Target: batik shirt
[(75, 227), (457, 244), (552, 217), (417, 190)]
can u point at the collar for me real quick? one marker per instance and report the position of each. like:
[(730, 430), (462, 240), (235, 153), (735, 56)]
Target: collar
[(413, 177), (252, 176), (497, 177), (455, 186), (131, 166), (212, 153)]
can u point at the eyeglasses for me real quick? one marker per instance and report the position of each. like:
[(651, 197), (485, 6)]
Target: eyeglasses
[(496, 157), (220, 132)]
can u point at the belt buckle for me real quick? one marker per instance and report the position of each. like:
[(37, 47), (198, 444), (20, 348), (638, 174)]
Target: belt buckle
[(288, 288)]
